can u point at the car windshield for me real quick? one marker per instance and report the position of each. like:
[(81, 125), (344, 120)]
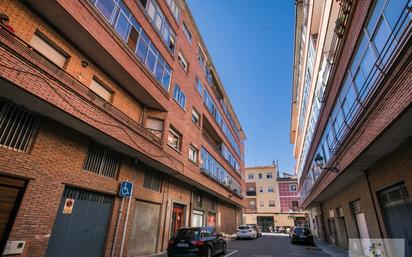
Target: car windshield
[(187, 234), (243, 227), (302, 231)]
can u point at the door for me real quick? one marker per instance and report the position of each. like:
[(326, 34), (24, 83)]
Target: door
[(80, 225), (144, 229), (396, 206), (11, 192), (177, 218), (265, 223)]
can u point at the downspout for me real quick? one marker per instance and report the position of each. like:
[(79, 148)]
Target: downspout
[(190, 207), (373, 202)]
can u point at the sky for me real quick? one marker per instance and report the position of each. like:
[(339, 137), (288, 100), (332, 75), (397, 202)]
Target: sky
[(251, 45)]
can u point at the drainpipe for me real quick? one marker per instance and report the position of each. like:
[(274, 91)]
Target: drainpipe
[(322, 220), (119, 217), (128, 209), (191, 207), (373, 202)]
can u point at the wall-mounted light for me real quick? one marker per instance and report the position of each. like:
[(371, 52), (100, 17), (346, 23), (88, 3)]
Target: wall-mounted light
[(320, 162)]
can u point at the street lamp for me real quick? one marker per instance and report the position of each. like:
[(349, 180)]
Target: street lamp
[(320, 162)]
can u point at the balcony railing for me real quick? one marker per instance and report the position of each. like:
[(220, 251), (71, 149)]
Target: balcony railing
[(24, 51), (251, 193)]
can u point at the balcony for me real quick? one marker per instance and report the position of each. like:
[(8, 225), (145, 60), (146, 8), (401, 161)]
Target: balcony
[(250, 193), (54, 76)]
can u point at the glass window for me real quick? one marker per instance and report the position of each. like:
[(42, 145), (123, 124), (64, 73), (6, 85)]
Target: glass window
[(270, 189), (106, 8), (199, 86), (187, 33), (195, 117), (293, 188), (123, 26), (182, 62), (269, 175), (179, 96), (272, 203), (193, 153), (101, 90), (250, 176), (155, 126), (48, 50), (260, 175), (174, 139), (261, 189)]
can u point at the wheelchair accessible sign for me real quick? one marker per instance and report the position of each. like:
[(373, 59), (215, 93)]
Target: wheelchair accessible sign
[(125, 189)]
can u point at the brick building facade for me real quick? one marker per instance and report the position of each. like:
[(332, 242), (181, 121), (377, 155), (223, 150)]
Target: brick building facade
[(98, 92), (351, 120)]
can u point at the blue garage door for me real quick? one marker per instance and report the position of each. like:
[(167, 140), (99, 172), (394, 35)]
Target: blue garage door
[(80, 226)]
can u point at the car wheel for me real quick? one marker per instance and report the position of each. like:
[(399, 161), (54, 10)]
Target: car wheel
[(224, 248), (209, 252)]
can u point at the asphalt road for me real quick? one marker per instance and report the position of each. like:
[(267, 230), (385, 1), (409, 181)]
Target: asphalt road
[(270, 246)]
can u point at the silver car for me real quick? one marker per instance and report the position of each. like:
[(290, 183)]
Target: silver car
[(246, 231)]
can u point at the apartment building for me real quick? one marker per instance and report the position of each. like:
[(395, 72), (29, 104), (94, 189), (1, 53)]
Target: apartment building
[(351, 120), (271, 199), (94, 93)]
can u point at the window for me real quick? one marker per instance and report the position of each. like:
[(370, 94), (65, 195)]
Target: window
[(152, 180), (183, 62), (198, 85), (155, 126), (252, 203), (46, 49), (193, 154), (261, 189), (197, 198), (251, 189), (101, 90), (269, 175), (260, 176), (187, 33), (270, 189), (250, 176), (272, 203), (129, 30), (201, 58), (292, 188), (102, 160), (295, 204), (174, 139), (262, 204), (160, 22), (195, 117), (17, 127), (174, 9), (179, 96)]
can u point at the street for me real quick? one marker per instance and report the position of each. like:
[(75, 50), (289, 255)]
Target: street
[(269, 246)]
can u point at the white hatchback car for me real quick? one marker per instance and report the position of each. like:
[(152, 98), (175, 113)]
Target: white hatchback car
[(246, 231)]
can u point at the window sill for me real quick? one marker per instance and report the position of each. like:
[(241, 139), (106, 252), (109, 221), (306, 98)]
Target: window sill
[(177, 150), (184, 109), (195, 163)]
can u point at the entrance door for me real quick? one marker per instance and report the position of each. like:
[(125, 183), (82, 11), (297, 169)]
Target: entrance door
[(397, 212), (80, 225), (144, 229), (177, 218), (265, 223), (11, 192)]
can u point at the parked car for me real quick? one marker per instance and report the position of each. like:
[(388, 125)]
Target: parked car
[(196, 241), (246, 231), (301, 235), (256, 228)]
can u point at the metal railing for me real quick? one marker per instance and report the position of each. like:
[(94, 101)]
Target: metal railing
[(25, 51)]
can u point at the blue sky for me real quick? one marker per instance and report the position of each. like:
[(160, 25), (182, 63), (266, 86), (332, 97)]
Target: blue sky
[(251, 44)]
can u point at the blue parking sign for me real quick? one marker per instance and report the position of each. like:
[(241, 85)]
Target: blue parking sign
[(125, 189)]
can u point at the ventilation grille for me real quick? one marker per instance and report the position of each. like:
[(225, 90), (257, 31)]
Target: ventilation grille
[(102, 160), (356, 207), (17, 127)]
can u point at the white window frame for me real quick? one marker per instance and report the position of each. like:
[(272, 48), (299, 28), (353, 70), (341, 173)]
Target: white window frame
[(187, 33), (44, 46), (193, 154), (173, 132), (194, 114), (183, 62), (101, 90)]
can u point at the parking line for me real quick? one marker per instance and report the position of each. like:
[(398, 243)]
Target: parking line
[(234, 251)]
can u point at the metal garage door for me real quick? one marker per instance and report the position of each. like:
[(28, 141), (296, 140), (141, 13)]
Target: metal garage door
[(397, 211), (80, 225), (11, 192), (145, 229)]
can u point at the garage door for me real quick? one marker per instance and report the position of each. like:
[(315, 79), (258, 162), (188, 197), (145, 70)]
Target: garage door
[(144, 230), (80, 225), (11, 192)]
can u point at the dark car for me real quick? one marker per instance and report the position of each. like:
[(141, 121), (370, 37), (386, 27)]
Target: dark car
[(196, 241), (301, 235)]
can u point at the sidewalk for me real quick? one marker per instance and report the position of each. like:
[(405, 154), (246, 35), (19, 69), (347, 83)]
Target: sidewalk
[(331, 249)]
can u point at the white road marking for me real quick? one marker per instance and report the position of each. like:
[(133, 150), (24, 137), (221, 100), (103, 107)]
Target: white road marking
[(234, 251)]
